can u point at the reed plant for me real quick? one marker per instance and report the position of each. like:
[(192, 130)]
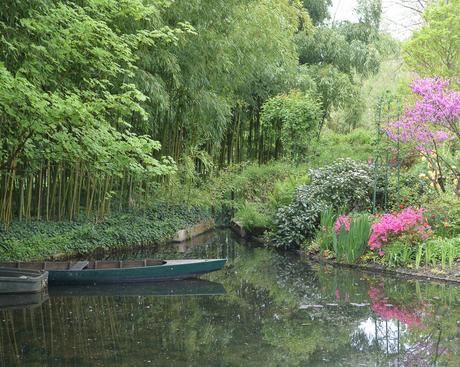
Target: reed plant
[(325, 235), (350, 241)]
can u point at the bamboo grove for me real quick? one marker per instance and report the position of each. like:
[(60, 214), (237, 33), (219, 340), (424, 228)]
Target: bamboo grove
[(102, 101)]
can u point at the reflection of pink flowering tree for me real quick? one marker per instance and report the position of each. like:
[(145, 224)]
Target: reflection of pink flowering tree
[(410, 315), (430, 123)]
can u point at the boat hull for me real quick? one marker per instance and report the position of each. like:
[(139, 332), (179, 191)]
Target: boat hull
[(22, 281), (171, 270)]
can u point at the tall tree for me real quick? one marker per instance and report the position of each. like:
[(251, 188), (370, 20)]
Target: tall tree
[(435, 48)]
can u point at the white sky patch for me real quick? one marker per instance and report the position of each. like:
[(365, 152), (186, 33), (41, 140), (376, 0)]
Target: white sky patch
[(396, 19)]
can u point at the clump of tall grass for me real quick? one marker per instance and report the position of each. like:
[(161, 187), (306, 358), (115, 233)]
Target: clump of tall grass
[(325, 235), (351, 236), (438, 251)]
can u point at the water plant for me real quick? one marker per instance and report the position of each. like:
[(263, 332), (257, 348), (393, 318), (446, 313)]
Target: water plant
[(435, 252), (351, 236), (325, 235)]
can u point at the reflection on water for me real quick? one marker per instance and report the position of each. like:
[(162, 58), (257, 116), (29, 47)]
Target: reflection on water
[(274, 311)]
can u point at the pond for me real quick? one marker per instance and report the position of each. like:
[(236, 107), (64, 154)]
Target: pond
[(263, 309)]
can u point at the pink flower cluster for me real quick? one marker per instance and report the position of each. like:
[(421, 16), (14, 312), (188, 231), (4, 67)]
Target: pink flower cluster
[(381, 306), (410, 220), (344, 221), (434, 118)]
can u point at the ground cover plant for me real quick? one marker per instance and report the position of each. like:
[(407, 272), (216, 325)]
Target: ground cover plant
[(37, 240)]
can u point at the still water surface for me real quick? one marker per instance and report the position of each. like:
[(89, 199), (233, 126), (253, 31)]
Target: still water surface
[(264, 309)]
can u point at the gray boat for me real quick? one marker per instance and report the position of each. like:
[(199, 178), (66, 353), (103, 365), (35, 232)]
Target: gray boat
[(22, 280)]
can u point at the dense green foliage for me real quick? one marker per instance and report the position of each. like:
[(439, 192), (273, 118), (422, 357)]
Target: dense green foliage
[(101, 101), (68, 102), (435, 48), (344, 184), (118, 111), (290, 122), (134, 228)]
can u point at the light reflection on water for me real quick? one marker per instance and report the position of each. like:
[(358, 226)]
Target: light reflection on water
[(264, 309)]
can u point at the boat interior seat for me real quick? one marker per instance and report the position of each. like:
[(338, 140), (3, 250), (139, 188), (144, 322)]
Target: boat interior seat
[(79, 265)]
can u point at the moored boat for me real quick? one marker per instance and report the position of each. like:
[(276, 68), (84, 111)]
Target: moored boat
[(123, 271), (22, 280)]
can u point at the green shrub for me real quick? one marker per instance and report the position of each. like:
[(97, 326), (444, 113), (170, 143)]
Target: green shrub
[(41, 239), (344, 184), (295, 223), (357, 145), (443, 213), (412, 190), (253, 215), (284, 191), (253, 182)]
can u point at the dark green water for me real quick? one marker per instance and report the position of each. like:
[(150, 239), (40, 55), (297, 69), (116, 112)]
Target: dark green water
[(277, 311)]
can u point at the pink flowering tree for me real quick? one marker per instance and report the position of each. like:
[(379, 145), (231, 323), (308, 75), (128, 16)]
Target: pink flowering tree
[(431, 123)]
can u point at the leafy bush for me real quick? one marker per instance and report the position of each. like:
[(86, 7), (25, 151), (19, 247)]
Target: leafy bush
[(345, 184), (41, 240), (357, 145), (443, 213), (284, 190), (298, 221), (253, 182), (253, 215), (412, 190)]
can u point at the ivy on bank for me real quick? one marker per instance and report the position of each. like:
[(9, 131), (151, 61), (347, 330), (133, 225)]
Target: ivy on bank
[(41, 240)]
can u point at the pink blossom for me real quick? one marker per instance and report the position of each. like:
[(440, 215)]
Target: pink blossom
[(433, 119), (410, 220), (342, 221)]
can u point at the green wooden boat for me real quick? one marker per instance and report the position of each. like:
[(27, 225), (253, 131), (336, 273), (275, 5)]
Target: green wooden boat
[(22, 280), (123, 271)]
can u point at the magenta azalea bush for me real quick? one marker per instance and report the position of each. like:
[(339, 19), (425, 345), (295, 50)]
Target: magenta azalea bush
[(410, 223)]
